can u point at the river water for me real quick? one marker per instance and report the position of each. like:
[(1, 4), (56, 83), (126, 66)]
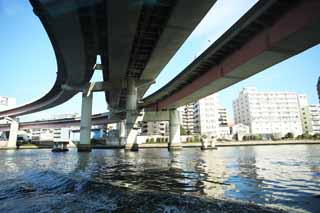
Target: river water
[(286, 176)]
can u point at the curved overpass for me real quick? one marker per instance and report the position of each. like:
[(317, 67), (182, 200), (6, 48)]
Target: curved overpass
[(135, 39), (270, 32), (74, 60)]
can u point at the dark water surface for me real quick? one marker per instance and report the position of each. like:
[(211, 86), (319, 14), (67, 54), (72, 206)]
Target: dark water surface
[(286, 176)]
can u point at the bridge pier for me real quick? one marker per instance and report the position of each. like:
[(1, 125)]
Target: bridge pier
[(85, 123), (174, 124), (131, 130), (121, 126), (14, 127)]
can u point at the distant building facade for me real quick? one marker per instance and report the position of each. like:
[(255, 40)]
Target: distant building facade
[(7, 103), (187, 115), (239, 131), (210, 118), (61, 134), (269, 112), (155, 128), (318, 88), (310, 116), (41, 134)]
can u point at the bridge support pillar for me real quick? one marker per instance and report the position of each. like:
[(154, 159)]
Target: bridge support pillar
[(131, 116), (174, 124), (121, 126), (85, 123), (14, 127)]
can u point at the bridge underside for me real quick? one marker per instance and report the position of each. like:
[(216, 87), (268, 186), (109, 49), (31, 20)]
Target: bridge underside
[(272, 31)]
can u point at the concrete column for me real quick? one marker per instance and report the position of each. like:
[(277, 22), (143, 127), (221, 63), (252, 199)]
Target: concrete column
[(14, 127), (131, 116), (174, 124), (85, 123), (122, 132)]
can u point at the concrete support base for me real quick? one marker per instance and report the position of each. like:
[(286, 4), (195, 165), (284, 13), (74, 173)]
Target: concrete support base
[(60, 146), (206, 145), (132, 147), (10, 148), (84, 148), (173, 147)]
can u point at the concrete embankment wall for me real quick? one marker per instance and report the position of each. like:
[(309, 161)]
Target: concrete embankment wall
[(234, 143), (263, 143), (3, 144)]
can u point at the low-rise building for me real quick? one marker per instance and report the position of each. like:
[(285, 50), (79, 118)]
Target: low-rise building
[(240, 130), (61, 134), (98, 132), (155, 128), (43, 134)]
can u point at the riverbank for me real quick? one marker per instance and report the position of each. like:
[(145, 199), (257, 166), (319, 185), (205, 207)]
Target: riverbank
[(264, 143), (234, 143)]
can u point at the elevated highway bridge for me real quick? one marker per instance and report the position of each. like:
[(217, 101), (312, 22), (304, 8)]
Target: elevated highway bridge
[(136, 39), (99, 119)]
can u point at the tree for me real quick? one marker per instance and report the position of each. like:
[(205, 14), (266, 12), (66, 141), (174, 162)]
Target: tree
[(183, 131), (289, 135), (316, 136)]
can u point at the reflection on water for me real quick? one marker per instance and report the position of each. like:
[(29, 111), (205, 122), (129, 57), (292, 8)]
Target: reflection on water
[(287, 176)]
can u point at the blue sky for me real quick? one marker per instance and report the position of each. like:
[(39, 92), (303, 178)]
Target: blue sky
[(28, 65)]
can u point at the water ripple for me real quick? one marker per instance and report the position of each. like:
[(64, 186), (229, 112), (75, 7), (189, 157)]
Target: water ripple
[(111, 179)]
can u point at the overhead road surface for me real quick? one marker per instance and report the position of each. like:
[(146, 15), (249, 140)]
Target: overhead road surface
[(142, 38), (270, 32), (135, 40)]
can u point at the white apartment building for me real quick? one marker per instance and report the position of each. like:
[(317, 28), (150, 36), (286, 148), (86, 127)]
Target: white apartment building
[(269, 112), (61, 134), (155, 128), (42, 134), (7, 103), (187, 116), (310, 116), (210, 118)]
